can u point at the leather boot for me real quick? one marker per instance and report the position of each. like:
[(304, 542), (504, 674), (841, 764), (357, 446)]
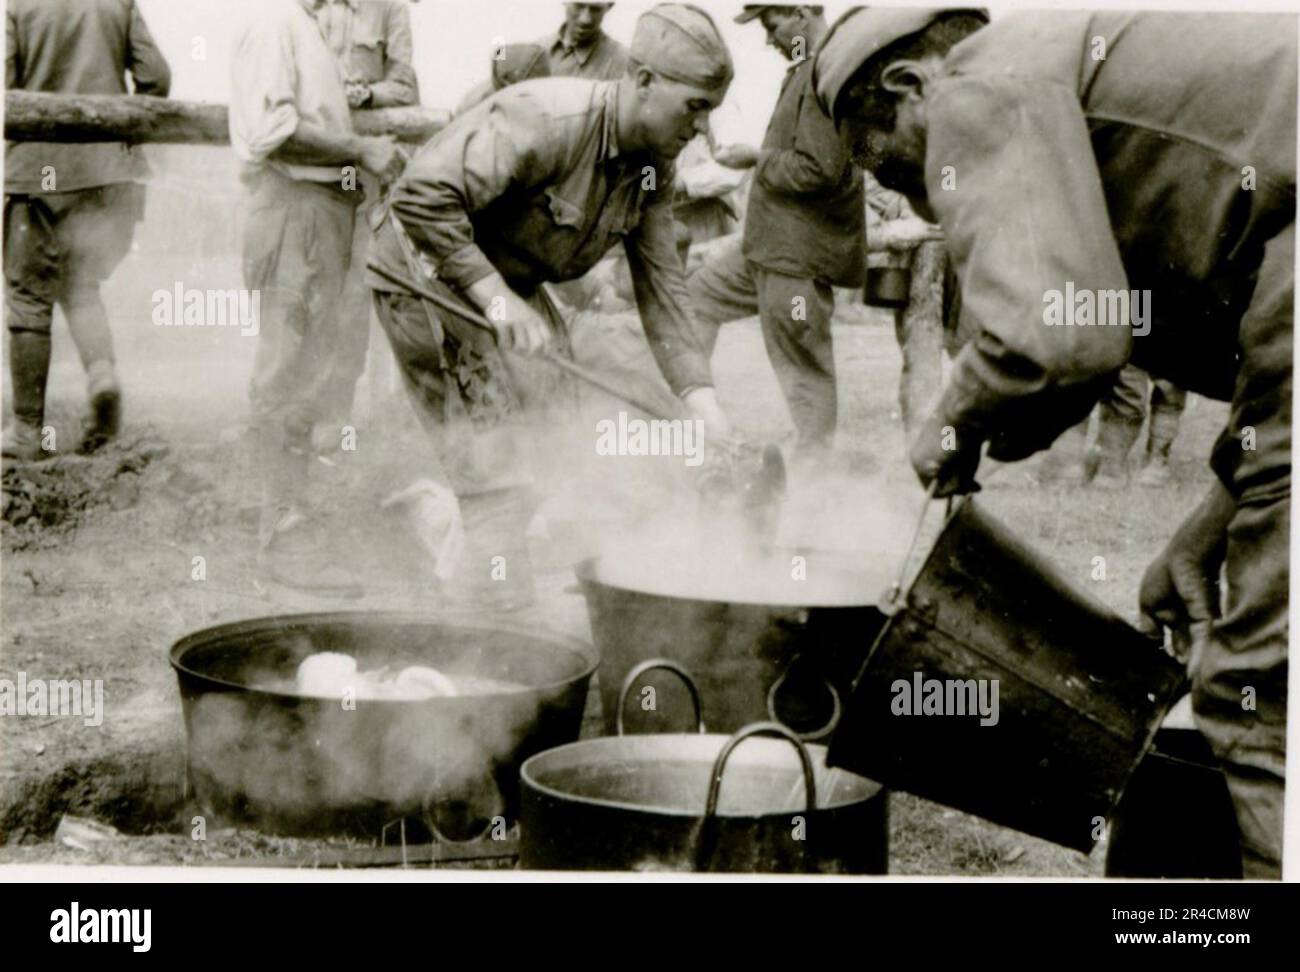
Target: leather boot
[(105, 405), (29, 368)]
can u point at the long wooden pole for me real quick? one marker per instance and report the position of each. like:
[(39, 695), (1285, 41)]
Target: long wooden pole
[(40, 117)]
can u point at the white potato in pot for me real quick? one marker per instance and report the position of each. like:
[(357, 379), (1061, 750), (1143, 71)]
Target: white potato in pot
[(420, 681), (326, 673)]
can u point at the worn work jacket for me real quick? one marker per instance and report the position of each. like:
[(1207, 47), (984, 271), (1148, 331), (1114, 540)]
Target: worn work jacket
[(372, 41), (1109, 152), (532, 183), (806, 206), (78, 47)]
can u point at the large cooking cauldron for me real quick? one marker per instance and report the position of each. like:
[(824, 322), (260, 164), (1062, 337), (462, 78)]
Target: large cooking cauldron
[(262, 755), (790, 661), (699, 802)]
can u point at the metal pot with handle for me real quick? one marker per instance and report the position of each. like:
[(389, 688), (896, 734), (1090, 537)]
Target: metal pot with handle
[(699, 802)]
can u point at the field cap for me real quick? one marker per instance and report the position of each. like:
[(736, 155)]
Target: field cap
[(858, 36), (682, 43)]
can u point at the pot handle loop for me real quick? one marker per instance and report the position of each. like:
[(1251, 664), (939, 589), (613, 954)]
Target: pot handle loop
[(837, 708), (760, 729), (667, 664), (707, 835)]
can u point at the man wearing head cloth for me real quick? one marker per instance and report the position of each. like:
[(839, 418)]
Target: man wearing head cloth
[(535, 184), (1146, 164)]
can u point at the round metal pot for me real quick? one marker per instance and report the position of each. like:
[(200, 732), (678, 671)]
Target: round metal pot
[(787, 663), (700, 802), (284, 763)]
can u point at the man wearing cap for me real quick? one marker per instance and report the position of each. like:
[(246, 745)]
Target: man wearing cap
[(804, 233), (1149, 155), (536, 184), (510, 64)]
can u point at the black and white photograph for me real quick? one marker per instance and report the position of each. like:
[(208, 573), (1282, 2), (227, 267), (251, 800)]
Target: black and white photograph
[(517, 440)]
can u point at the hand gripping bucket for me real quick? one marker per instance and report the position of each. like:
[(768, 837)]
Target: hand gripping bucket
[(1080, 693)]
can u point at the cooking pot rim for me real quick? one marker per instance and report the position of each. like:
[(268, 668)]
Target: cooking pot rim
[(588, 654), (527, 778), (585, 571)]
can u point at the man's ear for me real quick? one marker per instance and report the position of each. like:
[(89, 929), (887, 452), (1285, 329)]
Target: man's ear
[(645, 79), (905, 77)]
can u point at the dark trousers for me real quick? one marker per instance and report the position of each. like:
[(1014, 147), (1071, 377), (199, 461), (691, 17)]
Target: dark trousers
[(59, 247), (795, 314)]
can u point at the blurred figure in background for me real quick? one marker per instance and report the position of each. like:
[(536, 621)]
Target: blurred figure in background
[(297, 248), (510, 64), (371, 41), (804, 233), (70, 210), (905, 273), (581, 48), (1120, 416)]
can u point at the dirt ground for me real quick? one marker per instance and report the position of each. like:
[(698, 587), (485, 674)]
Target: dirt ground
[(103, 590)]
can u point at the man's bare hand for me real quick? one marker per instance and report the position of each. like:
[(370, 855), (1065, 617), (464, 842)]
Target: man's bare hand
[(518, 327), (702, 404), (1180, 590), (380, 156), (736, 156), (946, 458), (358, 93), (901, 235)]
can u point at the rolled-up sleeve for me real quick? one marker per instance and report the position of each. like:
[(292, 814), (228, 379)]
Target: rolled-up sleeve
[(500, 145), (399, 85), (1011, 174), (660, 287), (263, 108)]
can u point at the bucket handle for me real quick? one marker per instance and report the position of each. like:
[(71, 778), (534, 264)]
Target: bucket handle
[(706, 833), (667, 664), (894, 594), (814, 735)]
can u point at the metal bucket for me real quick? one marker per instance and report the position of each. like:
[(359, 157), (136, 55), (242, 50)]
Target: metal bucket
[(1176, 818), (264, 756), (1081, 693), (697, 802), (785, 663), (887, 287)]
